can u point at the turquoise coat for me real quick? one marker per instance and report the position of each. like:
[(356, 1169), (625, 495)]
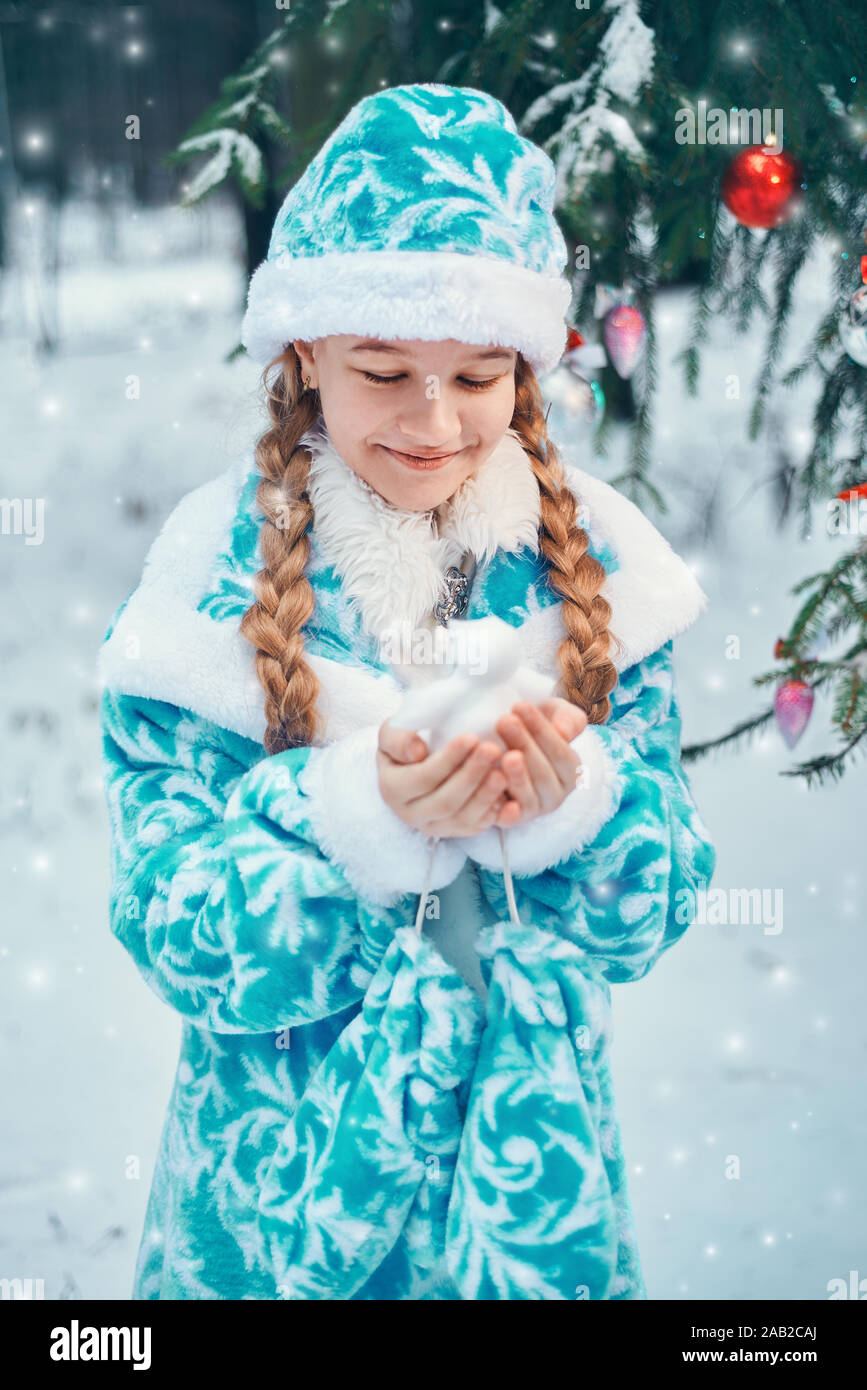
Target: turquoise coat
[(360, 1110)]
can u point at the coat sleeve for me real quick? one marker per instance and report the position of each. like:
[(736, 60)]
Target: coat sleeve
[(258, 897), (616, 867)]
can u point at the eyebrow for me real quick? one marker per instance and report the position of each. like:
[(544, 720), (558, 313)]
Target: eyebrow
[(374, 345)]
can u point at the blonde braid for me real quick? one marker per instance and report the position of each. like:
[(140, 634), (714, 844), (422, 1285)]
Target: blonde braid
[(285, 598), (587, 674)]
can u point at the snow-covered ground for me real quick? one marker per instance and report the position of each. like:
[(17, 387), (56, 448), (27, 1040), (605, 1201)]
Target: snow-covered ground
[(738, 1061)]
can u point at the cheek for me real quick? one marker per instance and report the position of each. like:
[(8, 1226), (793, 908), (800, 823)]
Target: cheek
[(494, 412), (352, 414)]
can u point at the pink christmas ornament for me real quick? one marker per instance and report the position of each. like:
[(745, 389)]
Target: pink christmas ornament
[(624, 331), (793, 704)]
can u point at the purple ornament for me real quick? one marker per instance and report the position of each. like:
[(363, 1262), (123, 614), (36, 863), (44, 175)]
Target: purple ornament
[(793, 704), (624, 331)]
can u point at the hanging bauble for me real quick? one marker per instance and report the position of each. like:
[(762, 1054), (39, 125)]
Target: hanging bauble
[(853, 327), (575, 393), (571, 386), (762, 186), (624, 331), (793, 704), (857, 490)]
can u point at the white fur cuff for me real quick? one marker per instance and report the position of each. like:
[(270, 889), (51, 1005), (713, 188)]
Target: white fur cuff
[(547, 840), (381, 856)]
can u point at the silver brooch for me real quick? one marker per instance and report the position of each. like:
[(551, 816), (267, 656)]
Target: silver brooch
[(454, 605)]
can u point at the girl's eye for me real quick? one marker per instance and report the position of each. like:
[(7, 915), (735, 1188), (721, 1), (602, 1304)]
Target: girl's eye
[(471, 385)]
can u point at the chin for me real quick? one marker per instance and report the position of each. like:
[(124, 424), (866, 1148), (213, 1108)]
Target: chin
[(422, 492), (423, 498)]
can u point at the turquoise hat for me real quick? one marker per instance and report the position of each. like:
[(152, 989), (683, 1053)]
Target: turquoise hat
[(424, 215)]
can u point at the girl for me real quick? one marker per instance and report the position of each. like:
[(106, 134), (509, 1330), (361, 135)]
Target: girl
[(388, 1092)]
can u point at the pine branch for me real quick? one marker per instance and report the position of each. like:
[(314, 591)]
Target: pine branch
[(792, 246), (831, 765), (740, 734), (707, 297)]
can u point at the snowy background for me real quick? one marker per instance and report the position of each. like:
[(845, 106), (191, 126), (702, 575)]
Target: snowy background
[(743, 1042)]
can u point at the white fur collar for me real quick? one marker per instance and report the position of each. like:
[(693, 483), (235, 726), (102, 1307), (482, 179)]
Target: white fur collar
[(164, 648), (392, 561)]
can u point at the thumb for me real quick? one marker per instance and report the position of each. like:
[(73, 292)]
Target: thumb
[(402, 745)]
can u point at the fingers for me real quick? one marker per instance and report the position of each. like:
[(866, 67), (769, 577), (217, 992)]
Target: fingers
[(401, 745), (510, 812), (531, 799), (429, 770), (540, 766), (568, 719), (480, 810), (470, 778), (432, 792), (467, 785)]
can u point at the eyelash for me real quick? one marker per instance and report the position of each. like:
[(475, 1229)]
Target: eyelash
[(470, 385)]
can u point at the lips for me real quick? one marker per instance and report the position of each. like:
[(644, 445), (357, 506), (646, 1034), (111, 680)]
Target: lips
[(422, 462)]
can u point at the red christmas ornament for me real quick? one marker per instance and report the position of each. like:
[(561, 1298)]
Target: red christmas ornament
[(762, 188), (793, 704), (856, 490)]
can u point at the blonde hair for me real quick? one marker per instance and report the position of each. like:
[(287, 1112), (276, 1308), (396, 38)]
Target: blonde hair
[(285, 598)]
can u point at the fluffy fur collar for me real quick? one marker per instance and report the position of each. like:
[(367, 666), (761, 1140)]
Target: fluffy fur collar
[(392, 561), (164, 647)]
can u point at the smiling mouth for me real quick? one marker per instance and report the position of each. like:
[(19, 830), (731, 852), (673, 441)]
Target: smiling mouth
[(422, 461)]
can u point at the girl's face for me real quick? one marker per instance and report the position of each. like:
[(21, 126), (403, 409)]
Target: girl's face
[(413, 419)]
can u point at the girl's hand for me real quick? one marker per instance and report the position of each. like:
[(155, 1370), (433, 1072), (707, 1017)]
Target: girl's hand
[(540, 768), (468, 786), (453, 792)]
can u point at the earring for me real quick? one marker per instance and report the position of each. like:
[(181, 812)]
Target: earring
[(307, 383)]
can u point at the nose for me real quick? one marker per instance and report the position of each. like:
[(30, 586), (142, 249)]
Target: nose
[(429, 422)]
